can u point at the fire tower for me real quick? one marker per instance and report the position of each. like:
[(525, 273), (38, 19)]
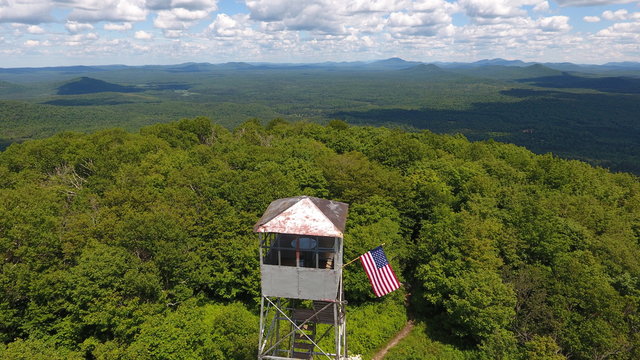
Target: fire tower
[(302, 310)]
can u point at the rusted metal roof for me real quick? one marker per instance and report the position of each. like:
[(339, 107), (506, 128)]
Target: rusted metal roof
[(304, 215)]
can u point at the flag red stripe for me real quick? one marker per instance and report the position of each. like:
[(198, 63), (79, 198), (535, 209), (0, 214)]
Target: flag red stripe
[(371, 273), (363, 261), (389, 276), (394, 277), (380, 273), (384, 272), (370, 268)]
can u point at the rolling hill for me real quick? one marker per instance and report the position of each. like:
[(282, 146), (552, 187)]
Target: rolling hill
[(87, 85)]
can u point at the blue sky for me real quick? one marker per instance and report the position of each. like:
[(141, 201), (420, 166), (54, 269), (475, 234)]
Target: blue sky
[(92, 32)]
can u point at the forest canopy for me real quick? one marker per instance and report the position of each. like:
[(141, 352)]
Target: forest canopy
[(118, 245)]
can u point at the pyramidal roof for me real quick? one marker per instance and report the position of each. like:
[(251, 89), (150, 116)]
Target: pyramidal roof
[(304, 215)]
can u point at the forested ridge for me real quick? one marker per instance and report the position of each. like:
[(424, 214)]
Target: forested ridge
[(586, 114), (118, 245)]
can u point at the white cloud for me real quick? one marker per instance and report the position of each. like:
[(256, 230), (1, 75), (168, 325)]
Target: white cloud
[(106, 10), (25, 11), (35, 29), (173, 33), (425, 24), (143, 35), (227, 26), (592, 2), (179, 18), (316, 15), (75, 27), (385, 6), (81, 39), (312, 30), (615, 15), (181, 14), (31, 43), (492, 8), (192, 5), (541, 7), (554, 23), (622, 30), (118, 27), (344, 18), (276, 10)]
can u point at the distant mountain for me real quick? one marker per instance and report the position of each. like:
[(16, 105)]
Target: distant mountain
[(67, 69), (391, 64), (504, 72), (191, 67), (394, 63), (235, 66), (624, 65), (501, 62), (87, 85), (539, 70), (485, 62), (425, 68), (204, 67), (565, 66)]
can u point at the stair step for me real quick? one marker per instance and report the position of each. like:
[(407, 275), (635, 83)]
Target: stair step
[(302, 355), (304, 346), (307, 326), (300, 336)]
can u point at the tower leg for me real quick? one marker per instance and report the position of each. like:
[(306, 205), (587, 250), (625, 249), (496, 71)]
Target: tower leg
[(261, 334)]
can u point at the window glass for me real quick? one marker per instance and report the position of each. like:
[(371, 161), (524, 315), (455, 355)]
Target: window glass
[(299, 250)]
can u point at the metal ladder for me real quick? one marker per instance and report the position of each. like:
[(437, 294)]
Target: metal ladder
[(301, 347)]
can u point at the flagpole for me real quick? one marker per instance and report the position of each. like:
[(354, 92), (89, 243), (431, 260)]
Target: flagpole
[(358, 258)]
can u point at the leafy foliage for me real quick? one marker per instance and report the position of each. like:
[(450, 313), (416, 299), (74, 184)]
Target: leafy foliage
[(117, 245)]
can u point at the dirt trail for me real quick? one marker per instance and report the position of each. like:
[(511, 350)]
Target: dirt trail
[(396, 339)]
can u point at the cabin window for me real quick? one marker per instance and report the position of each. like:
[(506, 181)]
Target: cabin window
[(299, 250)]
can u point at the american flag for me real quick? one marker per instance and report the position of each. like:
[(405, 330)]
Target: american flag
[(380, 274)]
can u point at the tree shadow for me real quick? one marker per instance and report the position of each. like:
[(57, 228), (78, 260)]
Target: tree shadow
[(618, 84), (599, 128)]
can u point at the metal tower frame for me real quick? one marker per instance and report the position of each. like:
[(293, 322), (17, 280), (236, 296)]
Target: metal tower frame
[(301, 306)]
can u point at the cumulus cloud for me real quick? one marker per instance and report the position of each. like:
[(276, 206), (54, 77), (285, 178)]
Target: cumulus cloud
[(81, 39), (622, 30), (554, 23), (227, 26), (615, 15), (181, 14), (541, 6), (419, 23), (326, 16), (35, 29), (173, 33), (192, 5), (386, 6), (106, 10), (25, 11), (345, 18), (178, 18), (143, 35), (310, 30), (75, 27), (31, 43), (492, 8), (591, 2), (118, 27)]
